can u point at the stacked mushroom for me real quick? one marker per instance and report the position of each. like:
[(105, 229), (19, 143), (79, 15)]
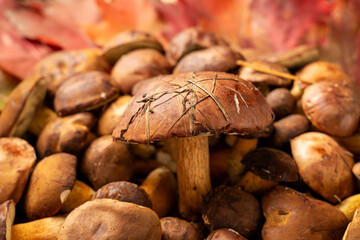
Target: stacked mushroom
[(134, 141)]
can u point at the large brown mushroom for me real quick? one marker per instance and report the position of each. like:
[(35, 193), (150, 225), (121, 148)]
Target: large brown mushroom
[(191, 107)]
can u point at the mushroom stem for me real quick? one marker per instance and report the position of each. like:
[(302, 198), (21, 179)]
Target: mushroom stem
[(42, 229), (80, 194), (193, 173)]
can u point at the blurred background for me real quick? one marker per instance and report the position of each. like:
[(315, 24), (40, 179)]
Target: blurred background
[(32, 29)]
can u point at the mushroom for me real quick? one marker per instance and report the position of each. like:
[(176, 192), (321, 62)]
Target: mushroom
[(69, 134), (105, 161), (174, 228), (80, 193), (111, 219), (183, 106), (17, 158), (92, 90), (353, 231), (255, 185), (7, 216), (137, 66), (281, 102), (57, 67), (20, 107), (42, 117), (127, 41), (225, 234), (50, 185), (216, 58), (324, 165), (189, 40), (229, 207), (125, 192), (293, 215), (349, 205), (332, 108)]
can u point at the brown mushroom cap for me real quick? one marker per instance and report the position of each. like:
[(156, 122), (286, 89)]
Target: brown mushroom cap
[(228, 207), (17, 157), (112, 220), (7, 216), (192, 104), (189, 40), (92, 90), (112, 115), (271, 164), (128, 41), (106, 161), (136, 66), (216, 58), (332, 108), (59, 66), (174, 228), (68, 134), (281, 101), (253, 76), (292, 215), (125, 192), (353, 229), (20, 108), (49, 186), (225, 234), (324, 165)]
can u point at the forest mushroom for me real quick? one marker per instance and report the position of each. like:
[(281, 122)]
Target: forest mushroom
[(174, 228), (125, 192), (127, 41), (105, 161), (281, 102), (92, 90), (17, 158), (7, 216), (137, 66), (353, 229), (20, 107), (349, 205), (111, 219), (50, 185), (186, 105), (80, 193), (225, 234)]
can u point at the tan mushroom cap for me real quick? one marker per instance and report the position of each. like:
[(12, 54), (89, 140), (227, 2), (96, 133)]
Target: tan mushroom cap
[(174, 228), (127, 41), (7, 216), (84, 92), (50, 185), (59, 66), (112, 220), (20, 108), (17, 157), (225, 234), (193, 104)]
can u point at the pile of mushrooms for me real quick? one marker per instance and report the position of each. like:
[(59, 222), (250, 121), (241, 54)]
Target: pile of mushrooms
[(188, 141)]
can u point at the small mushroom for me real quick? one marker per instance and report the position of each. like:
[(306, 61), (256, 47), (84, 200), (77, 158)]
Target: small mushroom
[(349, 205), (42, 229), (353, 229), (216, 58), (127, 41), (92, 90), (42, 117), (332, 108), (225, 234), (189, 40), (80, 194), (324, 165), (174, 228), (293, 215), (255, 185), (57, 67), (20, 107), (281, 102), (111, 219), (17, 158), (160, 185), (351, 143), (7, 216), (228, 207), (50, 185), (69, 134), (124, 192), (105, 161), (137, 66)]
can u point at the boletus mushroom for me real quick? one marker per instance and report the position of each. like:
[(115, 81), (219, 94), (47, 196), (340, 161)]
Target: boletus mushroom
[(7, 216), (191, 107), (174, 228), (225, 234)]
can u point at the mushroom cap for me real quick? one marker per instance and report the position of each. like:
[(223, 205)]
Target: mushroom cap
[(20, 108), (225, 234), (127, 41), (17, 158), (193, 104), (112, 220), (50, 185), (174, 228), (92, 90), (7, 216)]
